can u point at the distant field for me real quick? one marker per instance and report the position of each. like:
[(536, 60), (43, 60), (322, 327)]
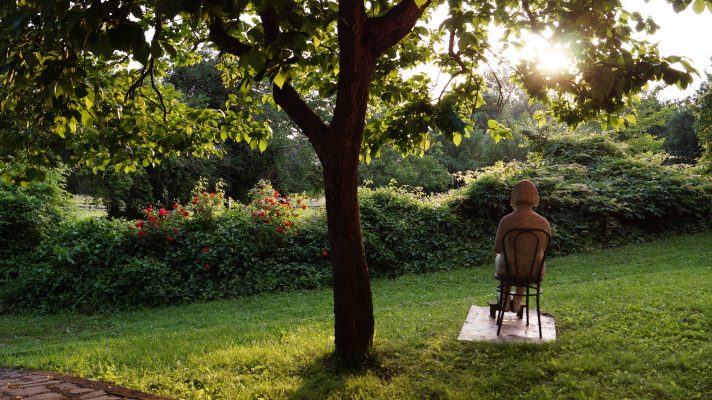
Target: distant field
[(87, 206)]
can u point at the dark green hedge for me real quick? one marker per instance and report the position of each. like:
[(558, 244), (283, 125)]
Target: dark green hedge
[(610, 203), (98, 264)]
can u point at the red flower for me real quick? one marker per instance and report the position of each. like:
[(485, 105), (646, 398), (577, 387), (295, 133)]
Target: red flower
[(141, 233), (325, 253), (162, 212), (170, 238), (175, 205), (206, 266), (254, 214), (205, 250), (212, 194), (262, 213), (186, 213), (176, 231), (276, 193), (280, 230), (139, 224), (149, 210), (304, 206), (267, 220)]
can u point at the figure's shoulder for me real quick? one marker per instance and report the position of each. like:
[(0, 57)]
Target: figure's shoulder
[(507, 219), (543, 222)]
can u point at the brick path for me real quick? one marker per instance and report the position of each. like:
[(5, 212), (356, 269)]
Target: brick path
[(32, 385)]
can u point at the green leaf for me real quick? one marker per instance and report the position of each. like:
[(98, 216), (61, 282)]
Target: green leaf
[(420, 3), (86, 118), (698, 6), (72, 125), (456, 139), (263, 146), (280, 78)]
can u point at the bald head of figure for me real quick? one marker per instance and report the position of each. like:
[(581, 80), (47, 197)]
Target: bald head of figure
[(524, 193)]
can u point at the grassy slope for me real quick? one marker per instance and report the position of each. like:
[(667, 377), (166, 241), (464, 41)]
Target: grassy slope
[(633, 322)]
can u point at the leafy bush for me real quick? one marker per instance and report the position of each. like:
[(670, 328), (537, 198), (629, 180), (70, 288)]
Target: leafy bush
[(170, 258), (407, 232), (207, 250), (614, 202), (26, 214)]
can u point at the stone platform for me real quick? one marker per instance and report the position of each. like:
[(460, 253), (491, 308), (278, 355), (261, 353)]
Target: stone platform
[(480, 327)]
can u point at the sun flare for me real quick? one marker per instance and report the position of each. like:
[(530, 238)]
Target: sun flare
[(554, 61)]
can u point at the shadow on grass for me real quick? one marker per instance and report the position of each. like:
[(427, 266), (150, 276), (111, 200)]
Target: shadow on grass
[(326, 377)]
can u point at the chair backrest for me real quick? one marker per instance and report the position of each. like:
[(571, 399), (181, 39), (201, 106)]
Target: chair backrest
[(524, 250)]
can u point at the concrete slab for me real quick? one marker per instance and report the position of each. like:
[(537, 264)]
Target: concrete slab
[(480, 327)]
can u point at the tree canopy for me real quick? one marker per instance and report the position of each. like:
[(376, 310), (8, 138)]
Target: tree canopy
[(64, 65)]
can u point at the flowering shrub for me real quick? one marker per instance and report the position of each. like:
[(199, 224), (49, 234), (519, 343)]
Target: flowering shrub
[(271, 208), (162, 222), (206, 205)]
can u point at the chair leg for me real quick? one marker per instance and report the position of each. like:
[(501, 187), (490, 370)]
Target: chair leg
[(502, 303), (527, 305), (538, 310)]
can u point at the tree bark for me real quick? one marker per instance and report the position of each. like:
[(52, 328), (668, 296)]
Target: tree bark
[(353, 308)]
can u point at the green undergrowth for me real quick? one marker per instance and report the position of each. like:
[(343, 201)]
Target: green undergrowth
[(633, 322)]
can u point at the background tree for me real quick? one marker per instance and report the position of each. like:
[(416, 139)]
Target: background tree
[(703, 123), (63, 64), (669, 122)]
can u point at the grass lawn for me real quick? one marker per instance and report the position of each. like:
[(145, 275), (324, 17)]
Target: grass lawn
[(633, 322)]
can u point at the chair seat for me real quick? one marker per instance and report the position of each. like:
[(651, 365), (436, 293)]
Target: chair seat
[(516, 281)]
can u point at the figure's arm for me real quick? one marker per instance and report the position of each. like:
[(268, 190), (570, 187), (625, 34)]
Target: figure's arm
[(498, 239)]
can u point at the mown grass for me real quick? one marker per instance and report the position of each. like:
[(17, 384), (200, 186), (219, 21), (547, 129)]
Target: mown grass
[(633, 322)]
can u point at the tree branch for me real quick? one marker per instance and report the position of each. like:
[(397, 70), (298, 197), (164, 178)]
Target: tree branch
[(298, 111), (533, 22), (387, 30), (293, 104), (225, 41)]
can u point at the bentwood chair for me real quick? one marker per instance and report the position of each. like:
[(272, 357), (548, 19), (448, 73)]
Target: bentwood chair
[(523, 269)]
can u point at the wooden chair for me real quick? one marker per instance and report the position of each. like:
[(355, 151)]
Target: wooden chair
[(522, 269)]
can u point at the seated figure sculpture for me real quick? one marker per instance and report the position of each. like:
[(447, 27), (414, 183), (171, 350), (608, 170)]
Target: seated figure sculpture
[(524, 198)]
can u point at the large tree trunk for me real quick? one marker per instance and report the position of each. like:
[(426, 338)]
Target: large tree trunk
[(353, 308), (338, 146)]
